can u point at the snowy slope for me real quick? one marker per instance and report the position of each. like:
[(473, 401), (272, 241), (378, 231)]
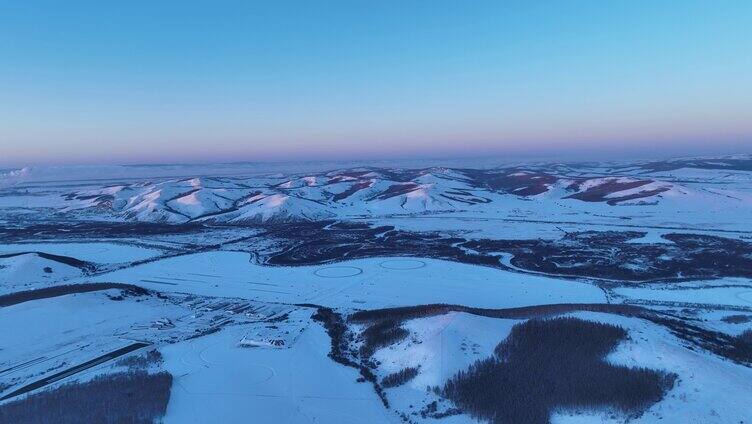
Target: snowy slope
[(19, 270)]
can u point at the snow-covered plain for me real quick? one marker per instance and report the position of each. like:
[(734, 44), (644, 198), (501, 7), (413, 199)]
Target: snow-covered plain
[(218, 381), (362, 283)]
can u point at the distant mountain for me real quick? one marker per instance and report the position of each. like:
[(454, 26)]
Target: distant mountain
[(377, 192)]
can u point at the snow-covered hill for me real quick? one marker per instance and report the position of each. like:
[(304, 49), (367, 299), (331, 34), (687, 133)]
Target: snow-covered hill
[(687, 185), (18, 270)]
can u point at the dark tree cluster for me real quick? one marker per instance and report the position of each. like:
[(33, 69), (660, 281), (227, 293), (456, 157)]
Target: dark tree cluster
[(124, 398), (547, 365), (737, 319), (381, 334), (605, 192), (737, 349), (336, 329), (743, 345), (511, 180), (400, 377), (152, 357)]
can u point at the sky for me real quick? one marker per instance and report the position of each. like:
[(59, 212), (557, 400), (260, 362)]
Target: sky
[(93, 82)]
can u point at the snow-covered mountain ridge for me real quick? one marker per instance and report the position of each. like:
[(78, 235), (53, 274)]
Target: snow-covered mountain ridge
[(382, 191), (686, 184)]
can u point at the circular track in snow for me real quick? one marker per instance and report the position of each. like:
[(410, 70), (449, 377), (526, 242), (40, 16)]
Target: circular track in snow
[(338, 271), (402, 264)]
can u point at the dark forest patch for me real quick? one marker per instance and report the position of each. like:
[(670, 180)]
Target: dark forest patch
[(604, 192), (134, 397), (396, 190), (515, 181), (400, 377), (737, 319), (729, 164), (381, 334), (545, 365), (742, 345), (354, 188), (746, 337), (142, 361)]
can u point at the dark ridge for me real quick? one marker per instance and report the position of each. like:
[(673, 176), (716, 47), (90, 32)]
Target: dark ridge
[(103, 201), (647, 193), (67, 260), (735, 164), (48, 292), (548, 365), (352, 190), (350, 225), (402, 175), (335, 177), (182, 194), (598, 193), (235, 206), (75, 230), (420, 311), (512, 181), (133, 397), (396, 190), (355, 174), (464, 196)]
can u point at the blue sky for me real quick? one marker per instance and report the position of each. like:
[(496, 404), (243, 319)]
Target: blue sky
[(151, 82)]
